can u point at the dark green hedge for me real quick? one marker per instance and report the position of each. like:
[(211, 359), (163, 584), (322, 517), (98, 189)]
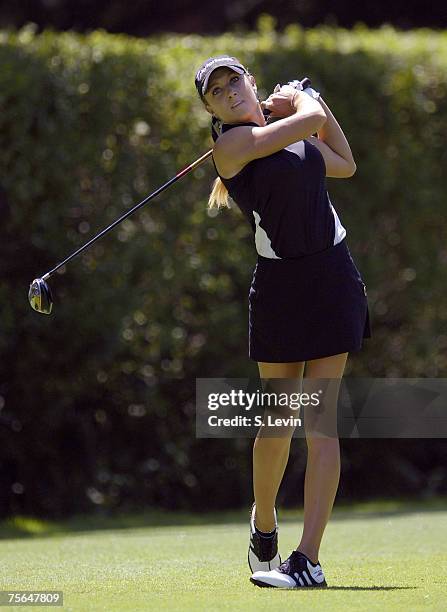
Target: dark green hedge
[(97, 401)]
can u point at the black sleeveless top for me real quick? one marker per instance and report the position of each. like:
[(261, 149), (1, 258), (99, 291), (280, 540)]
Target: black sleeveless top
[(285, 199)]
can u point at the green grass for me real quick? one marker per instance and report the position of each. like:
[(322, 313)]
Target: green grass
[(388, 556)]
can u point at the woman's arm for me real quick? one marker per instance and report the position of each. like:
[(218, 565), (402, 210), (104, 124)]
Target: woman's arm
[(302, 115), (332, 134)]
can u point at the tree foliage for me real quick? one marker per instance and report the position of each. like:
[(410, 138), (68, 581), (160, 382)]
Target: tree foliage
[(97, 400), (146, 17)]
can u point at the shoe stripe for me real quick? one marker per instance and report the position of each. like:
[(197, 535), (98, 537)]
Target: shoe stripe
[(306, 576), (299, 577)]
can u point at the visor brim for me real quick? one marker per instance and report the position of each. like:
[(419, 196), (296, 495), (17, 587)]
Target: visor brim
[(237, 69)]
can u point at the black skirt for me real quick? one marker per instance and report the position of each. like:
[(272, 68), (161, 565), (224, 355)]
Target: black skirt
[(307, 308)]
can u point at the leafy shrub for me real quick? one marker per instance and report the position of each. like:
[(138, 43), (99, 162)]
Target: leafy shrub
[(97, 401)]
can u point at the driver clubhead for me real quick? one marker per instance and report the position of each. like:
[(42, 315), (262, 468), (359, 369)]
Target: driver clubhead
[(40, 297)]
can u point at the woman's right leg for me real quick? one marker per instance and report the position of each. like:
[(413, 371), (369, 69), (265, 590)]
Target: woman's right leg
[(323, 453), (270, 454)]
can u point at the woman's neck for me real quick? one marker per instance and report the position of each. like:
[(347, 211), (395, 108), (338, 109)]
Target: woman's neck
[(259, 116), (255, 117)]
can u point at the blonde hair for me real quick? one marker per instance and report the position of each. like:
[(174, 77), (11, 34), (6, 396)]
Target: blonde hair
[(219, 195)]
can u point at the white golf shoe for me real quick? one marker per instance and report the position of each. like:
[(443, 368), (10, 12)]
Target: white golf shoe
[(263, 548), (294, 573)]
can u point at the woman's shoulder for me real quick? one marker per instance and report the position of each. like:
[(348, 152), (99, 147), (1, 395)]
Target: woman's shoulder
[(227, 146), (226, 166), (230, 172)]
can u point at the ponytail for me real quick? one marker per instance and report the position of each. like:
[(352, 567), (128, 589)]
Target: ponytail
[(219, 195)]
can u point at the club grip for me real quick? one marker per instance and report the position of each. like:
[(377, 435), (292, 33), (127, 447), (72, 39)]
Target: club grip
[(306, 82)]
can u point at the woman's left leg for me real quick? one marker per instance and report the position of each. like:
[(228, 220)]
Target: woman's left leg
[(323, 456), (271, 454)]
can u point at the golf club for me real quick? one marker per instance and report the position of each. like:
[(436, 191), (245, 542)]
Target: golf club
[(39, 294)]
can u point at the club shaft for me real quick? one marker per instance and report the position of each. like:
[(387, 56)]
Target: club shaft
[(130, 212)]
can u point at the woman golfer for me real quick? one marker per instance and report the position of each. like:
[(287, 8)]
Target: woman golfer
[(307, 302)]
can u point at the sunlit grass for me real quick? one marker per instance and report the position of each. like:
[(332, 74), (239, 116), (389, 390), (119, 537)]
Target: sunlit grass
[(387, 555)]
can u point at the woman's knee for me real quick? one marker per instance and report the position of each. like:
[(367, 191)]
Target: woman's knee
[(322, 382)]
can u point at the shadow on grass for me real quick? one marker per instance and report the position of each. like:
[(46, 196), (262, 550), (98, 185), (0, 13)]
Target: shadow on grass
[(346, 588), (31, 527), (373, 588)]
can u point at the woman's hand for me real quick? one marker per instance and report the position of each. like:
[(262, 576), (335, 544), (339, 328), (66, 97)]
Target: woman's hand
[(281, 102)]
